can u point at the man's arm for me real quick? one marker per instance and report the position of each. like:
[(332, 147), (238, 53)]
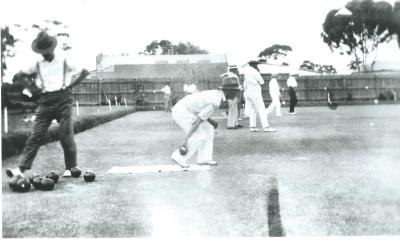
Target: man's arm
[(84, 73), (194, 127)]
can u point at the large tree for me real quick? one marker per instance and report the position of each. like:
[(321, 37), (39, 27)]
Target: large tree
[(360, 33), (165, 47), (7, 42), (275, 51)]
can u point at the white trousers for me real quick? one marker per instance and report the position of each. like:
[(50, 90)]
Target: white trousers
[(275, 103), (201, 141), (233, 113), (255, 104)]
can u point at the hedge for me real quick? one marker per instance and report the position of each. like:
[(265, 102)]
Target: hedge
[(14, 142)]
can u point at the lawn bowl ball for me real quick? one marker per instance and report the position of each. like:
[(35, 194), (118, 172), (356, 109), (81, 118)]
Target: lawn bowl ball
[(47, 184), (183, 150), (23, 185), (89, 176), (33, 177), (37, 182), (13, 183), (53, 175), (75, 172)]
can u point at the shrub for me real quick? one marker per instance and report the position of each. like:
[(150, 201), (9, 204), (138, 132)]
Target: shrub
[(14, 142)]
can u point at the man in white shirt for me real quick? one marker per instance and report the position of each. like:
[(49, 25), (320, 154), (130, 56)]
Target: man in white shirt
[(233, 110), (167, 97), (292, 84), (254, 100), (189, 88), (192, 114), (54, 81), (275, 96)]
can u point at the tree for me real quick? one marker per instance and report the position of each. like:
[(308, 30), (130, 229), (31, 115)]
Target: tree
[(314, 67), (165, 47), (370, 24), (7, 41), (275, 51)]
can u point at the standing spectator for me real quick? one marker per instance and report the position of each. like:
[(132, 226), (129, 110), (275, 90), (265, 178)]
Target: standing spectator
[(167, 97), (275, 96), (189, 88), (233, 109), (292, 84), (55, 102), (254, 99)]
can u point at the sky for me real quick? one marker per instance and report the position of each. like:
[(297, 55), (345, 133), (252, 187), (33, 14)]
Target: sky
[(241, 29)]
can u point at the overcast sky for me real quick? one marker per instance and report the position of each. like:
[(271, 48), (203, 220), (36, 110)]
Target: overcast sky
[(239, 28)]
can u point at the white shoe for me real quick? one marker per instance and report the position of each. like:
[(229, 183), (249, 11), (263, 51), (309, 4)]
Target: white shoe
[(292, 113), (254, 129), (210, 162), (269, 129), (177, 158), (14, 172), (67, 173)]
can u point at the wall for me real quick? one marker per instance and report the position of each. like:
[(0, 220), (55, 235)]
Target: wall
[(310, 88)]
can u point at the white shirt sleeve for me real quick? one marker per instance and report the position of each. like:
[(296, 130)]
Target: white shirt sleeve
[(206, 112)]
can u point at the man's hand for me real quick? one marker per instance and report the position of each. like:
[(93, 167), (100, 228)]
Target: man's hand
[(213, 123)]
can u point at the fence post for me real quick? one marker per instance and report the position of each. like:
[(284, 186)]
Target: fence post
[(99, 90), (376, 86), (306, 93)]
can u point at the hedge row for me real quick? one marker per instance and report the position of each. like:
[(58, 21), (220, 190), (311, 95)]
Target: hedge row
[(14, 142)]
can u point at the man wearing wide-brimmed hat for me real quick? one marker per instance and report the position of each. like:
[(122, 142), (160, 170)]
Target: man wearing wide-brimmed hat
[(254, 100), (192, 114), (54, 82)]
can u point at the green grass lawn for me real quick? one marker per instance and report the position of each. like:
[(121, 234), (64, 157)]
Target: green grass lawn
[(323, 173)]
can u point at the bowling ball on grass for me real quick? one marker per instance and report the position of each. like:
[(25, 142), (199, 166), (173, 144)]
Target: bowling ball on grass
[(47, 184), (53, 175), (89, 176)]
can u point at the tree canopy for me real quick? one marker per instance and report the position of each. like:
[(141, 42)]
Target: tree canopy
[(165, 47), (314, 67), (359, 34), (275, 51)]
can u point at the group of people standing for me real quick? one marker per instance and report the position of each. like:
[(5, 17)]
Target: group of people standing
[(254, 103)]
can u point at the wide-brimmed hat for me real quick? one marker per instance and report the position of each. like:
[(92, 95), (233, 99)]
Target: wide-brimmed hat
[(230, 81), (44, 43)]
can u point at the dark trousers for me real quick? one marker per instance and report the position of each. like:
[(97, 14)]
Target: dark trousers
[(53, 105), (293, 99)]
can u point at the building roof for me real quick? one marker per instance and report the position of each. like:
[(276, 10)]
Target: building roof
[(267, 68), (105, 62), (386, 66)]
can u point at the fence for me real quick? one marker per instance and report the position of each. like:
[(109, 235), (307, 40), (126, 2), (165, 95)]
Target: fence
[(310, 88)]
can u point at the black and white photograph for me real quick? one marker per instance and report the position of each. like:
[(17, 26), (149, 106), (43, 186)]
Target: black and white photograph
[(200, 120)]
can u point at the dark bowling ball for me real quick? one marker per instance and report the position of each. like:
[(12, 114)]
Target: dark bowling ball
[(33, 177), (183, 150), (13, 183), (37, 182), (47, 184), (23, 185), (53, 175), (89, 176), (75, 172)]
